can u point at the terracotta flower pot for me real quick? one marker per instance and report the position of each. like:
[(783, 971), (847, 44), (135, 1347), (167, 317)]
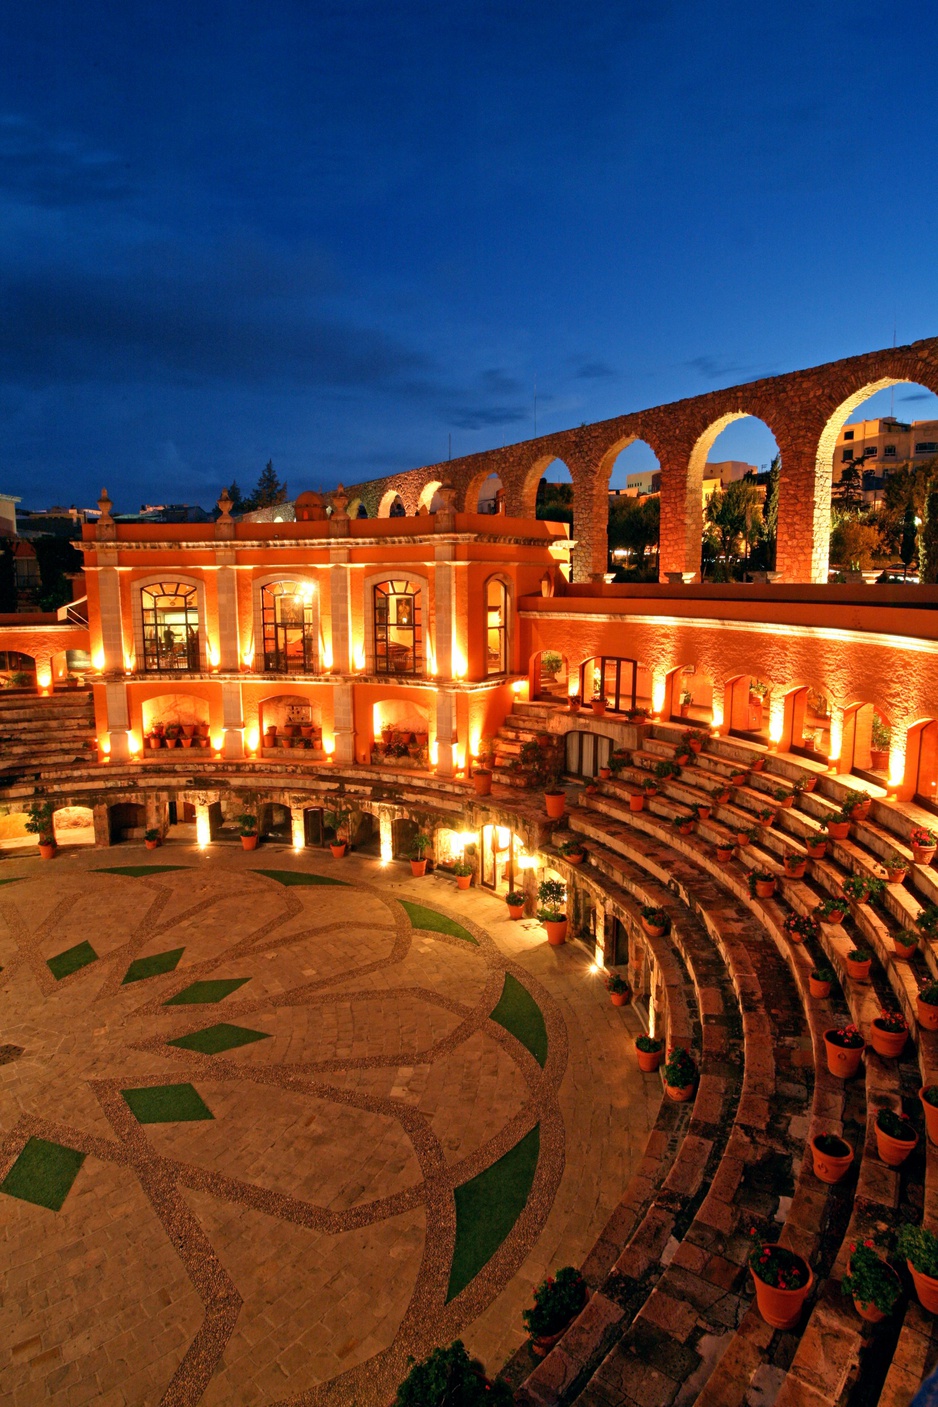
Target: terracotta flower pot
[(721, 798), (338, 849), (555, 804), (931, 1116), (838, 830), (155, 743), (186, 742), (831, 1167), (782, 1308), (842, 1061), (249, 842), (787, 802), (903, 950), (765, 888), (835, 916), (926, 1289), (686, 828), (151, 844), (556, 932), (810, 784), (695, 745), (680, 1094), (682, 759), (889, 1044), (859, 971), (796, 871), (724, 854), (896, 876), (619, 998), (648, 1060), (818, 988), (418, 868), (47, 852), (482, 781), (758, 764), (893, 1151), (605, 773), (869, 1312), (577, 858), (927, 1014), (171, 742), (573, 707), (515, 911), (654, 931), (599, 708), (923, 854), (649, 792), (738, 779), (703, 813), (463, 881), (818, 851), (636, 801)]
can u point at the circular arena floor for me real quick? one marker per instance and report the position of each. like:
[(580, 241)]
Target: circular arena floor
[(270, 1123)]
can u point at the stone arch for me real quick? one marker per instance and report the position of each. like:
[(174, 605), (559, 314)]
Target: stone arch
[(532, 477), (860, 749), (473, 495), (602, 504), (427, 494), (697, 464), (388, 499), (74, 825), (357, 508)]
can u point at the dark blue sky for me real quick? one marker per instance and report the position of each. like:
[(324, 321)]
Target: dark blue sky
[(335, 235)]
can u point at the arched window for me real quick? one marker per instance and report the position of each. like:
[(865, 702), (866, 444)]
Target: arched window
[(398, 628), (170, 627), (616, 680), (496, 626), (289, 623)]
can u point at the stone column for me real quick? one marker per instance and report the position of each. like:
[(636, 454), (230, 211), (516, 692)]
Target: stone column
[(344, 722), (102, 824), (232, 718), (529, 888), (804, 510), (109, 599), (298, 827), (446, 732), (226, 586), (118, 720), (444, 596), (681, 507), (340, 611)]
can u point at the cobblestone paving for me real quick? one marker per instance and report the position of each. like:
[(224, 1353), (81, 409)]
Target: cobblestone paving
[(274, 1222)]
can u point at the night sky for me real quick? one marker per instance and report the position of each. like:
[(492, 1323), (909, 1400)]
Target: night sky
[(337, 236)]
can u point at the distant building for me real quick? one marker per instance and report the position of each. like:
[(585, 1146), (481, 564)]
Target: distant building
[(716, 476), (885, 445), (8, 502)]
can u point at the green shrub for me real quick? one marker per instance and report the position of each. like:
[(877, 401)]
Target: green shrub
[(450, 1378)]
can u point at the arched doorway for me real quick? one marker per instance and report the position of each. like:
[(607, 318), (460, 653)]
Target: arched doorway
[(865, 742), (501, 851), (126, 821), (926, 769), (549, 676), (623, 683), (690, 696), (392, 505), (748, 705), (275, 823), (74, 825), (585, 752)]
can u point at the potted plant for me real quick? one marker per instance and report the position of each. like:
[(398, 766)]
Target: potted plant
[(761, 884), (155, 739), (724, 854), (637, 799), (880, 743), (895, 1137), (151, 838), (680, 1075), (665, 769), (928, 920), (649, 1051), (816, 848), (598, 705), (649, 787), (574, 851), (463, 872), (418, 854), (697, 737), (515, 901), (552, 894), (819, 982), (338, 821), (40, 823), (832, 1157), (605, 772), (482, 780), (765, 815), (896, 866), (928, 1095), (783, 1282), (860, 889), (450, 1376), (655, 921), (873, 1285), (721, 796), (620, 993), (888, 1034), (557, 1302), (702, 810), (924, 843), (795, 864), (745, 835), (785, 799), (831, 911), (687, 699), (684, 824), (247, 829), (920, 1250), (838, 825), (172, 734), (858, 963), (800, 926), (636, 715), (757, 764), (738, 778), (905, 943), (926, 1005), (574, 702), (554, 798), (844, 1048), (857, 807)]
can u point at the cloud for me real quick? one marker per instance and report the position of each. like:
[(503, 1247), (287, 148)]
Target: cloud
[(482, 417), (715, 368), (593, 371), (917, 396), (497, 382), (57, 172)]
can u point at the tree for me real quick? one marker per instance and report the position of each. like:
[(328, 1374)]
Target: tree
[(634, 527), (238, 501), (269, 491), (853, 543), (770, 511), (928, 540), (736, 512), (56, 556), (554, 502), (848, 493)]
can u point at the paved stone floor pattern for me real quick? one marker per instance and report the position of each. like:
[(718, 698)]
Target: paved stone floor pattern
[(269, 1218)]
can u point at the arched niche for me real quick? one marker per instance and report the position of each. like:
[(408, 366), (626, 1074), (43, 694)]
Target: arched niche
[(74, 825), (291, 721), (748, 708), (691, 696), (184, 710), (549, 676)]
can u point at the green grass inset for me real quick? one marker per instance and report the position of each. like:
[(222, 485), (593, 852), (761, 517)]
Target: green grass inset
[(214, 1039), (64, 964), (167, 1104), (422, 917), (153, 966), (300, 877), (214, 990), (43, 1173), (136, 870), (15, 880), (520, 1014), (487, 1208)]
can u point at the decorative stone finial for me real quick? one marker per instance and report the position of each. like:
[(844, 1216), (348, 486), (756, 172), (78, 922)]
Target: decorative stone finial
[(105, 504), (225, 504), (340, 503), (446, 495)]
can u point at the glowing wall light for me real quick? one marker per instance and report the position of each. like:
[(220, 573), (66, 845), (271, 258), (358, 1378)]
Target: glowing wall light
[(657, 695), (717, 722), (253, 739), (431, 656), (97, 659), (475, 742), (837, 734), (325, 650), (211, 654), (527, 862), (134, 744), (247, 656), (328, 745), (519, 686), (218, 742), (298, 827), (43, 676), (434, 751), (460, 663), (897, 763), (203, 830), (386, 835), (358, 658), (130, 662), (104, 747), (776, 719)]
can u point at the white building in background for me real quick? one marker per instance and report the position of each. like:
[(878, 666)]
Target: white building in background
[(885, 445)]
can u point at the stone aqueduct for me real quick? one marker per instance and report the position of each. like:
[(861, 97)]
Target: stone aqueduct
[(804, 409)]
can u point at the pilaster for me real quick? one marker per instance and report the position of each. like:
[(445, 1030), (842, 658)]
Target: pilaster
[(232, 718), (344, 723), (226, 586), (118, 720), (340, 610), (446, 732)]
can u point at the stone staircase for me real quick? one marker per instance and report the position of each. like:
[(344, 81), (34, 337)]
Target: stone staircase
[(42, 736)]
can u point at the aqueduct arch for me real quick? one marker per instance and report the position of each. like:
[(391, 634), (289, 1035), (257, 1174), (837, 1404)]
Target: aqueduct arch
[(803, 409)]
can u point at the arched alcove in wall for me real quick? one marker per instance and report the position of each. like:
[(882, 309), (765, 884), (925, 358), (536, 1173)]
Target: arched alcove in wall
[(747, 707), (865, 741), (74, 825), (691, 696), (549, 675)]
